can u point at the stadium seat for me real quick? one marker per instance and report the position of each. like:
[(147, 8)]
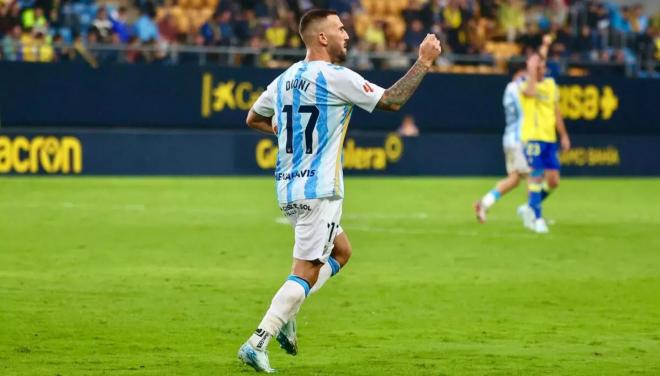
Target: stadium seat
[(379, 8), (367, 5), (576, 72), (396, 27), (196, 4), (200, 16), (362, 22), (394, 7), (502, 50), (183, 19)]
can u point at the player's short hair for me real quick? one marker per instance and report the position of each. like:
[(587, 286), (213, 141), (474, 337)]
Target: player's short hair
[(515, 67), (313, 15)]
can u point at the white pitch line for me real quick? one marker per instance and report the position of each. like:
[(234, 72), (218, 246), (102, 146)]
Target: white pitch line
[(126, 207), (281, 220), (404, 231), (284, 221), (134, 207), (418, 215)]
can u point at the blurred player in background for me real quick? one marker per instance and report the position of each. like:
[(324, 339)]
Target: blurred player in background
[(309, 107), (516, 163), (542, 121)]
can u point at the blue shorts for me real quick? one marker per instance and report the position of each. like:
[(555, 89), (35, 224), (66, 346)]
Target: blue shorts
[(542, 155)]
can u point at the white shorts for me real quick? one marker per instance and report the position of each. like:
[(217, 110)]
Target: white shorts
[(315, 224), (515, 160)]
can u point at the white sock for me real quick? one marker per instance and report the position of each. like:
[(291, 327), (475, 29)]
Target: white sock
[(324, 274), (490, 198), (330, 268), (285, 304)]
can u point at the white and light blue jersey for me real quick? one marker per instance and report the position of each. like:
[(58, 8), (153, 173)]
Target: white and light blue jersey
[(513, 114), (311, 104)]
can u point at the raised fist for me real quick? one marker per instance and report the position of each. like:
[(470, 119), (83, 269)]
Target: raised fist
[(429, 49)]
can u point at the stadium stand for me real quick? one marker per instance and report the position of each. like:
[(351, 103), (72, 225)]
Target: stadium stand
[(479, 36)]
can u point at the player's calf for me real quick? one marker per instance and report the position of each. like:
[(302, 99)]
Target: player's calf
[(307, 270), (552, 184), (328, 270), (341, 253), (551, 181), (342, 250)]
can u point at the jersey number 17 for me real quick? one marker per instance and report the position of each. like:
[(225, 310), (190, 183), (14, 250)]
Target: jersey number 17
[(309, 129)]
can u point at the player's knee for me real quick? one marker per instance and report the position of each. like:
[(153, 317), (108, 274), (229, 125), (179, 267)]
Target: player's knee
[(553, 182)]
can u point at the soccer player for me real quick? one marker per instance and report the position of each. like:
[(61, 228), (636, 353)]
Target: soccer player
[(308, 107), (541, 123), (516, 163)]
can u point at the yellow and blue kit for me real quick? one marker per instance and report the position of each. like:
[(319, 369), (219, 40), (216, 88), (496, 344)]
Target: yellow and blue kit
[(539, 132)]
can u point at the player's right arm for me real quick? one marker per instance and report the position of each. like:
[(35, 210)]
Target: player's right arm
[(544, 49), (399, 93), (259, 122), (564, 140)]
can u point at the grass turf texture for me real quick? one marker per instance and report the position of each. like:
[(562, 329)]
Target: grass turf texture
[(169, 276)]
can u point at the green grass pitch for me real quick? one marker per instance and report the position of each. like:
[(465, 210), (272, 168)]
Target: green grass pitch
[(159, 276)]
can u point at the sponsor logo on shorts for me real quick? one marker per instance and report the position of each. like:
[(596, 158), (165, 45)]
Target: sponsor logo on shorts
[(290, 209)]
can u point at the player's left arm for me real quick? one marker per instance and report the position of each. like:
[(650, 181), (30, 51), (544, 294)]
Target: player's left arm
[(561, 129), (259, 122), (353, 89), (399, 93)]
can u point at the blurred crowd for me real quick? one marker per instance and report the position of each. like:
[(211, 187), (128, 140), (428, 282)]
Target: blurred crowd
[(72, 30)]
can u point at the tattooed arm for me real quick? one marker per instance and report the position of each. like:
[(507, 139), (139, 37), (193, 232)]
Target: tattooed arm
[(399, 93)]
